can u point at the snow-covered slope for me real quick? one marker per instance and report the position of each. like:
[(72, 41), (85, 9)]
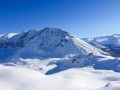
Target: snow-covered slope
[(14, 78), (110, 44), (7, 36), (46, 43)]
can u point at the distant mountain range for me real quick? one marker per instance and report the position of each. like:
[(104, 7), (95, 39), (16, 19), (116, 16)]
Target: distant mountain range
[(109, 44)]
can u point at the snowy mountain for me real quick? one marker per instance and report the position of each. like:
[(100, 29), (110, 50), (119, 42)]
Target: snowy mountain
[(51, 55), (110, 44), (46, 43), (55, 48)]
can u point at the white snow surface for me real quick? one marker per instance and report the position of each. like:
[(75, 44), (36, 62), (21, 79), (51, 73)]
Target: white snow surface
[(15, 78)]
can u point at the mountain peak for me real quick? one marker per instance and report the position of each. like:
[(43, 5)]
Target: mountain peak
[(52, 29), (55, 31), (48, 42)]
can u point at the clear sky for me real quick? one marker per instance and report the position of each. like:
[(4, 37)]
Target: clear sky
[(83, 18)]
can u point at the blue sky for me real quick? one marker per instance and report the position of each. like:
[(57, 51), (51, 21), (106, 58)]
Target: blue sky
[(83, 18)]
